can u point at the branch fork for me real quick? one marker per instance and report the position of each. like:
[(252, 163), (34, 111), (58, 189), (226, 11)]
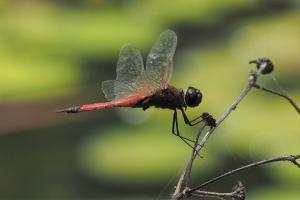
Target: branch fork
[(183, 190)]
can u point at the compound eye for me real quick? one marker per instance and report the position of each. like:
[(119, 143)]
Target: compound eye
[(193, 97)]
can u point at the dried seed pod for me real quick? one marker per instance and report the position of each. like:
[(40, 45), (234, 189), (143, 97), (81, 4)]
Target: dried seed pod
[(264, 63)]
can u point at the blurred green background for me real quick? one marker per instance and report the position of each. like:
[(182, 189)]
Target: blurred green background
[(54, 54)]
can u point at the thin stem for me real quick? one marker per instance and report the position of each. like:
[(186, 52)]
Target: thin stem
[(291, 158), (224, 116), (208, 196), (185, 176), (188, 168), (213, 194), (231, 108), (279, 94), (238, 193)]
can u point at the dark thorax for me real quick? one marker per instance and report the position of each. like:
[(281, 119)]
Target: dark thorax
[(170, 98)]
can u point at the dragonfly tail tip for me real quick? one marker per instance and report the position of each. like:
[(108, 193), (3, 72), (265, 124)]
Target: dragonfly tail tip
[(75, 109), (60, 111)]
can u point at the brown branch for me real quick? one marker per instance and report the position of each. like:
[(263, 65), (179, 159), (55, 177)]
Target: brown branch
[(238, 193), (187, 171), (279, 94), (211, 194), (264, 66), (291, 158), (189, 165)]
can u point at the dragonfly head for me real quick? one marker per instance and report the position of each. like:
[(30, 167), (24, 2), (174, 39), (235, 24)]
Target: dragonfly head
[(192, 97)]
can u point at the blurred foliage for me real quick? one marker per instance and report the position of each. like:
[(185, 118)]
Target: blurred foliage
[(53, 50)]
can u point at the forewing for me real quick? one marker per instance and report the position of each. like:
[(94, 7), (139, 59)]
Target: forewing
[(130, 68), (130, 64), (159, 64)]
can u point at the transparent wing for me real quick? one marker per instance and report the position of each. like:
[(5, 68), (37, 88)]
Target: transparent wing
[(130, 68), (116, 90), (130, 64), (159, 64), (108, 89)]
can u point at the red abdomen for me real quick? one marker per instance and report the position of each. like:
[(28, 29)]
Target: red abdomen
[(126, 102)]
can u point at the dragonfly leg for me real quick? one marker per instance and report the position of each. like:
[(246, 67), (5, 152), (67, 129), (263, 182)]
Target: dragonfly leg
[(190, 122), (175, 128), (175, 131), (173, 123)]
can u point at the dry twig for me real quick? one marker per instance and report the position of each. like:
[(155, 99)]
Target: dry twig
[(291, 158), (264, 66)]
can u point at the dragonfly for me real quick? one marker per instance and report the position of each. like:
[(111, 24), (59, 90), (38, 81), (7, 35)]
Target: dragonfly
[(137, 86)]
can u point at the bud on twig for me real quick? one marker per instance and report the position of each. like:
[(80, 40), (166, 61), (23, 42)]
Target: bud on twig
[(265, 65)]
